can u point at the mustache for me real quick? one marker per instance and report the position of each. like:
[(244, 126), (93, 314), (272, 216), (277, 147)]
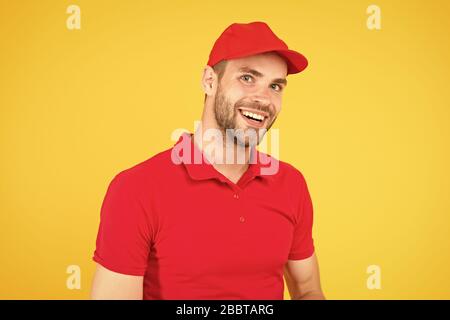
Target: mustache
[(255, 105)]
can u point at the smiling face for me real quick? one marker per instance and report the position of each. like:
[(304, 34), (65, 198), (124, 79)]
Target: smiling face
[(249, 94)]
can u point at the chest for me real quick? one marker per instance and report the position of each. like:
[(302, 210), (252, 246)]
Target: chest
[(212, 228)]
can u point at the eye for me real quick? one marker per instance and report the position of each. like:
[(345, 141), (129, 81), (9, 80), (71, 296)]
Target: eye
[(246, 77), (276, 85)]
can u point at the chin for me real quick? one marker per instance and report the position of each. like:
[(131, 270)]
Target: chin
[(247, 142)]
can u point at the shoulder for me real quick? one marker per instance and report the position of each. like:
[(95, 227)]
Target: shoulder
[(143, 173), (284, 172)]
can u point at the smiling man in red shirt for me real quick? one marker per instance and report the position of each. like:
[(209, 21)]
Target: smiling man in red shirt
[(174, 227)]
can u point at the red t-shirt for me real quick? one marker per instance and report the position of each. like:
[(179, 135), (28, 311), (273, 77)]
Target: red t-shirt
[(194, 234)]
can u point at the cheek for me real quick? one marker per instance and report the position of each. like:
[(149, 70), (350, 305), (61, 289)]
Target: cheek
[(235, 95), (239, 90), (277, 105)]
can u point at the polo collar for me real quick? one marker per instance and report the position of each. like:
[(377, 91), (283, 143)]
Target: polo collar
[(198, 167)]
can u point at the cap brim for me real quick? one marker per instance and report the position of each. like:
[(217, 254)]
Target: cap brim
[(296, 61)]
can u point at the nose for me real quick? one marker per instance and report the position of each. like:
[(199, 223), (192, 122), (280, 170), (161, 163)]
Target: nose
[(262, 97)]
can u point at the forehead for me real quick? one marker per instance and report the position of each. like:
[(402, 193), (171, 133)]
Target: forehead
[(269, 63)]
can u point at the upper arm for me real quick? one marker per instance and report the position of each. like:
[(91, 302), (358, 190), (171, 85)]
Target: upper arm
[(302, 277), (302, 246), (111, 285), (123, 242), (124, 234)]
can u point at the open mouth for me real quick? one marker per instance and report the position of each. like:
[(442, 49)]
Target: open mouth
[(253, 118)]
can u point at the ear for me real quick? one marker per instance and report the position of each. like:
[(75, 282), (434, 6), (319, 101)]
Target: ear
[(209, 81)]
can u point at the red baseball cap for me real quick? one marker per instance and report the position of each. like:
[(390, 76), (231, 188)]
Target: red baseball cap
[(246, 39)]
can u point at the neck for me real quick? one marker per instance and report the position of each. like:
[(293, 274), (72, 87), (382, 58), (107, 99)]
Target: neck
[(227, 157)]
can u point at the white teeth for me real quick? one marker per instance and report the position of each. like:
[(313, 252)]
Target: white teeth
[(253, 115)]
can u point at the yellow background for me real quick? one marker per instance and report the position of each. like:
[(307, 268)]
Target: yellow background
[(368, 124)]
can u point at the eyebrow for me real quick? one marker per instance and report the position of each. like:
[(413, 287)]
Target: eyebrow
[(258, 74)]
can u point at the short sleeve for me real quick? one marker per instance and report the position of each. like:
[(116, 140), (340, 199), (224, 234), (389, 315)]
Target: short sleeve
[(124, 237), (303, 243)]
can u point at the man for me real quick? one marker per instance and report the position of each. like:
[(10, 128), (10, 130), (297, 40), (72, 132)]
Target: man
[(173, 227)]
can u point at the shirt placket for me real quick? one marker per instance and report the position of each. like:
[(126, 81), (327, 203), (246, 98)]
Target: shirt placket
[(240, 206)]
